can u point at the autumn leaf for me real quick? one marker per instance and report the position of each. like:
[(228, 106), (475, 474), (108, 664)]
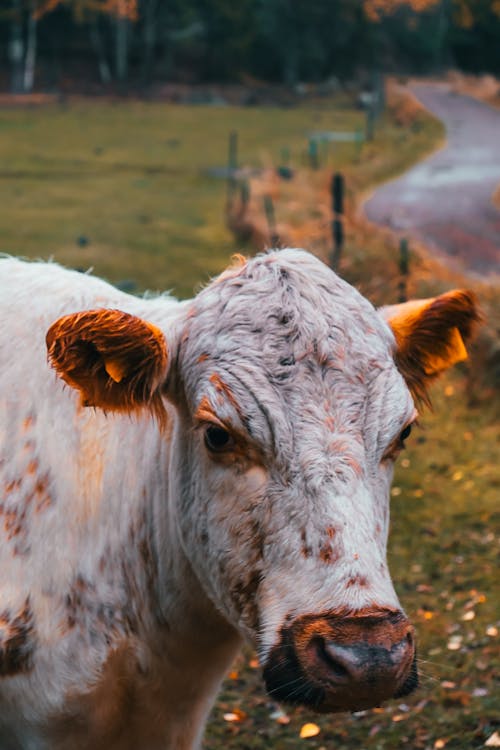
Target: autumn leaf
[(235, 715), (309, 730)]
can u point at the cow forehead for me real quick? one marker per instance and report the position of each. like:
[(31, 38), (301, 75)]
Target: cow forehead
[(283, 309)]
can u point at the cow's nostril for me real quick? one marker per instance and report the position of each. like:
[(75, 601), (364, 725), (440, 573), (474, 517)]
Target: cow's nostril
[(324, 654)]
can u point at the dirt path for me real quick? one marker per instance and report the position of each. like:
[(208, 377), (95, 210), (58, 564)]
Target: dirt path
[(445, 201)]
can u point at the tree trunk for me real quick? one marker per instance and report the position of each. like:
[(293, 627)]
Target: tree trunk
[(96, 41), (149, 39), (30, 59), (16, 48), (121, 48)]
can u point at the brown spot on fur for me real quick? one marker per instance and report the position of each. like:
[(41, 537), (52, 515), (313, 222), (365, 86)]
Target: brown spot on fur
[(32, 467), (205, 412), (330, 423), (17, 641), (43, 499), (306, 549), (222, 388), (202, 358), (330, 531), (357, 580), (14, 485), (28, 423), (327, 553), (95, 719)]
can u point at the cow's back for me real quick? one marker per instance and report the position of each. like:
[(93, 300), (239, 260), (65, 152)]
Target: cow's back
[(73, 483)]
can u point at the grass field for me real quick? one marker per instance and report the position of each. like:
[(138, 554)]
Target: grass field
[(133, 180), (124, 187)]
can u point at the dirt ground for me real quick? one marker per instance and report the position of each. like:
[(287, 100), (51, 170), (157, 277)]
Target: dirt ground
[(446, 200)]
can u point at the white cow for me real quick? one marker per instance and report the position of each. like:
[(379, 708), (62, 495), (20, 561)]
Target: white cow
[(218, 470)]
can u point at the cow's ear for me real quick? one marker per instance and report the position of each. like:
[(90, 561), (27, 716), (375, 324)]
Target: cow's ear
[(431, 335), (115, 360)]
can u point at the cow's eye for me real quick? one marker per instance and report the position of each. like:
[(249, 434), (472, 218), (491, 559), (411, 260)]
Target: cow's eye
[(217, 439), (405, 434)]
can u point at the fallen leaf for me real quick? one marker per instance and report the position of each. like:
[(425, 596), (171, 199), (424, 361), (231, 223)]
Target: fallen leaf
[(468, 615), (454, 643), (399, 717), (449, 390), (447, 685), (493, 740), (439, 744), (492, 631), (235, 715), (396, 491), (309, 730), (233, 675), (457, 476), (253, 663)]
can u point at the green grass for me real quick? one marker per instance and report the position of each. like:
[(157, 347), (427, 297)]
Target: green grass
[(133, 179)]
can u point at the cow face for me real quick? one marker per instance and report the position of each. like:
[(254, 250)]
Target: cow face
[(293, 401)]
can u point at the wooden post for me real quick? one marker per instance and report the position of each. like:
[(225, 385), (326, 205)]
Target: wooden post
[(313, 153), (337, 191), (271, 221), (404, 269)]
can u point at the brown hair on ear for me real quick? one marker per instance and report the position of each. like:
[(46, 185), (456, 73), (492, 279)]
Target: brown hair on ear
[(430, 336), (115, 360)]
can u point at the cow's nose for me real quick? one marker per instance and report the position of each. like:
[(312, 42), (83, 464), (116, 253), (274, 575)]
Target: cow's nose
[(352, 664), (347, 663)]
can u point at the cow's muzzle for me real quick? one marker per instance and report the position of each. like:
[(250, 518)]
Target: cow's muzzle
[(337, 663)]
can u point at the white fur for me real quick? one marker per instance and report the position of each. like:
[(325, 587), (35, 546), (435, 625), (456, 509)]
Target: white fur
[(320, 398)]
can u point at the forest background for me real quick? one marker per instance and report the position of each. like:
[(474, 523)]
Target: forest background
[(137, 45)]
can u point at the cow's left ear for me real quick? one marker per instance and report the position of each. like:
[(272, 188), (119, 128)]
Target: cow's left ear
[(431, 335), (115, 360)]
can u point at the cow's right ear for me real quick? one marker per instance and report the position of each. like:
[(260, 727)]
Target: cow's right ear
[(116, 361)]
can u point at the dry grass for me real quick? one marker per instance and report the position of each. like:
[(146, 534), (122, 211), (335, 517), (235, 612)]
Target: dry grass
[(485, 87)]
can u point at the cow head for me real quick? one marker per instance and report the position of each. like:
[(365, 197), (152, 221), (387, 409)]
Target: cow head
[(293, 398)]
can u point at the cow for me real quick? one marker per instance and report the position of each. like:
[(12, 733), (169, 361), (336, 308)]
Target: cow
[(177, 477)]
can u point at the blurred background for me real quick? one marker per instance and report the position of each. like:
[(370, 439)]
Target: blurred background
[(149, 140)]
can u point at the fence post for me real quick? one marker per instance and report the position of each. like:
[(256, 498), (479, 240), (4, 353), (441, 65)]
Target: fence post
[(337, 189), (271, 221), (313, 153), (404, 269)]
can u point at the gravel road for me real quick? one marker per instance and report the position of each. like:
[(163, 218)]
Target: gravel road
[(445, 200)]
